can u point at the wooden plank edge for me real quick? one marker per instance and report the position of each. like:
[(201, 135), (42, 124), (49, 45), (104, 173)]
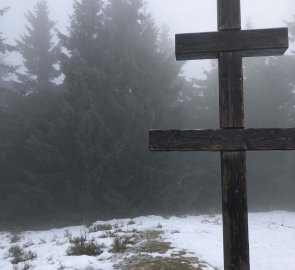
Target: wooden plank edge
[(279, 37), (267, 139)]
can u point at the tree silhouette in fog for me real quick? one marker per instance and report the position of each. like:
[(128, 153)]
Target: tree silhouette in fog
[(39, 53)]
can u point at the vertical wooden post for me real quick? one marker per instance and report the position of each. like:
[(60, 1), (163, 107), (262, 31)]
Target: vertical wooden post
[(233, 164), (235, 214), (229, 44)]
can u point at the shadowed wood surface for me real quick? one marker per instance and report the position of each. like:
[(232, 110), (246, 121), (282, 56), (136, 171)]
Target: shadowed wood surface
[(228, 14), (233, 164), (235, 210), (222, 139), (231, 96), (251, 42)]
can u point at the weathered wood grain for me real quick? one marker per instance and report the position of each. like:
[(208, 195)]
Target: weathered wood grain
[(231, 96), (223, 139), (251, 42), (233, 164), (228, 14), (234, 211)]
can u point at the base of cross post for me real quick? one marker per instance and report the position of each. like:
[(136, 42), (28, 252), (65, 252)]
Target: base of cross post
[(235, 211)]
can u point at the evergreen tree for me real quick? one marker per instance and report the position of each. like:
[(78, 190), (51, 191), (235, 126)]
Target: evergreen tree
[(146, 80), (291, 27), (83, 81), (5, 69), (125, 86), (39, 53)]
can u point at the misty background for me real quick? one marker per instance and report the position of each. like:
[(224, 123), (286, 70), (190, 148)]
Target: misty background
[(82, 82)]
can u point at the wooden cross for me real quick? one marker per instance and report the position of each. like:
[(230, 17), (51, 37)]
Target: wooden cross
[(229, 45)]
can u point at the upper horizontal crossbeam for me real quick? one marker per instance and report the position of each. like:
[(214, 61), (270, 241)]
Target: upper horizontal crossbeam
[(261, 42), (222, 139)]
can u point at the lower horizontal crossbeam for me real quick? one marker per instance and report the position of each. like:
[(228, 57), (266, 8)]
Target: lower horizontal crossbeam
[(222, 139)]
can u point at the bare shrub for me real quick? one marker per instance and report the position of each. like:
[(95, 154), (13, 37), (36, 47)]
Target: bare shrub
[(119, 244), (82, 246), (20, 255)]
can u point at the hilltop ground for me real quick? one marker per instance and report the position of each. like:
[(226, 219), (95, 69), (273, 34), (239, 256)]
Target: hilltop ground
[(149, 243)]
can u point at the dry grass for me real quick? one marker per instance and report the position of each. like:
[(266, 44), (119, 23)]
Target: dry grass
[(20, 255), (83, 246), (160, 263)]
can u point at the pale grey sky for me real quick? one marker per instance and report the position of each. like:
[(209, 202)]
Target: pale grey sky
[(180, 15)]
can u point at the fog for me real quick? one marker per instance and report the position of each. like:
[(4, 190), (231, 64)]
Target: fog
[(180, 16), (78, 149)]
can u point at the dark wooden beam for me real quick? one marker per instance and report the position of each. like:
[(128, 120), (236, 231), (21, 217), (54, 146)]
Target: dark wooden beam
[(223, 139), (231, 96), (228, 14), (261, 42), (235, 211), (233, 164)]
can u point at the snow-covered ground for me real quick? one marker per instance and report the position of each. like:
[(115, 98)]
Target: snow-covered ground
[(272, 242)]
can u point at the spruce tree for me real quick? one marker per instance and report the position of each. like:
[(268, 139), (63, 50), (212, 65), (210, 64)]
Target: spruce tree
[(122, 80), (5, 69), (144, 80), (39, 53), (84, 82)]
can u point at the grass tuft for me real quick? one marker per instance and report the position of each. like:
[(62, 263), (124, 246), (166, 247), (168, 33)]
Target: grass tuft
[(15, 237), (82, 246), (119, 244), (20, 255), (131, 222)]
